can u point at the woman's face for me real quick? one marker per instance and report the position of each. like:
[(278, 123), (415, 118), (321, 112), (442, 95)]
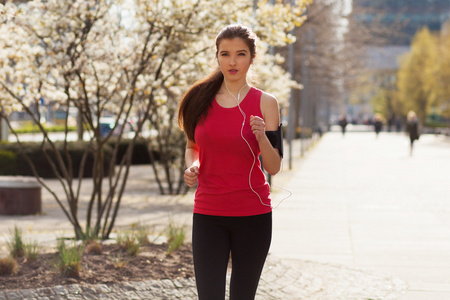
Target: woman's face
[(234, 59)]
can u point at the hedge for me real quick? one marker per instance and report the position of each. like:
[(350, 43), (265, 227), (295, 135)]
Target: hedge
[(141, 155), (18, 165), (8, 162), (12, 162)]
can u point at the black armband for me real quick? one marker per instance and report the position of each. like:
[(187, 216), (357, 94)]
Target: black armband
[(276, 139)]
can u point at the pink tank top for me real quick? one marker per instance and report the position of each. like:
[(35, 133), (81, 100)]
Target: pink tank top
[(226, 160)]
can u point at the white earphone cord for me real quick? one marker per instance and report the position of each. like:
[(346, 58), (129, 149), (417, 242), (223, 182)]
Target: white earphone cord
[(248, 144), (253, 154)]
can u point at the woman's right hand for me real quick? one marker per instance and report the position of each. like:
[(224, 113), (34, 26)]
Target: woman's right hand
[(191, 175)]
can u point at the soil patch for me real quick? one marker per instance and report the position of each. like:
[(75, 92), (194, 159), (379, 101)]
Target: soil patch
[(113, 265)]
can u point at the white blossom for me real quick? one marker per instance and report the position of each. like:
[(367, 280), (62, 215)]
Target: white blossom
[(105, 55)]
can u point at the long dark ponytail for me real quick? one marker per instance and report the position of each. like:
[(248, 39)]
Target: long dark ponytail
[(196, 102)]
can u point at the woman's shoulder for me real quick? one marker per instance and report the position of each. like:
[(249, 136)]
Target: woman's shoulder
[(270, 110), (268, 101), (266, 98)]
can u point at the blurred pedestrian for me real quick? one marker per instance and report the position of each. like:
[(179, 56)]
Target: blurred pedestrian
[(343, 123), (228, 124), (377, 123), (412, 127), (398, 124), (391, 122)]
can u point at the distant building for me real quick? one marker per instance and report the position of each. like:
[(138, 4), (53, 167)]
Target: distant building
[(404, 17), (397, 21), (385, 57), (394, 23)]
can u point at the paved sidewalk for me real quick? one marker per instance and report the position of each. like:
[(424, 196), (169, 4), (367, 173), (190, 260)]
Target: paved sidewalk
[(365, 221), (364, 202), (281, 280)]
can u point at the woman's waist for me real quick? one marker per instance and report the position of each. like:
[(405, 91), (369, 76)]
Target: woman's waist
[(231, 182)]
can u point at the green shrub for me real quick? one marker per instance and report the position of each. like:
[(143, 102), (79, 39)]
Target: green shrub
[(8, 162), (140, 156), (12, 161), (34, 152)]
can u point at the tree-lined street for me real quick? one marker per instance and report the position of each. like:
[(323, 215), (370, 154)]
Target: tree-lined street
[(366, 219)]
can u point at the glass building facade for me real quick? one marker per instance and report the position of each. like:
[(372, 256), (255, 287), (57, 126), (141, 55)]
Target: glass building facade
[(403, 18)]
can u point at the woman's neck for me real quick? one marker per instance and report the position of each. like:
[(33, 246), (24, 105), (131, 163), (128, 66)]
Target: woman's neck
[(236, 90)]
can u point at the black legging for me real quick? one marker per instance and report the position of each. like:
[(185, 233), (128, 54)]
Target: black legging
[(213, 238)]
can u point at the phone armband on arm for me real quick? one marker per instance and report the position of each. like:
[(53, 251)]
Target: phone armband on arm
[(276, 139)]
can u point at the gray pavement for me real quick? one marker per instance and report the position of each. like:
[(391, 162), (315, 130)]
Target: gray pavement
[(364, 202), (365, 221)]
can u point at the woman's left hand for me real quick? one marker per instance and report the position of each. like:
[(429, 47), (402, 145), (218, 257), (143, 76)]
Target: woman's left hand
[(258, 127)]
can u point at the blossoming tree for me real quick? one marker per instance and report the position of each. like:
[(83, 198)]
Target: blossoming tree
[(130, 58)]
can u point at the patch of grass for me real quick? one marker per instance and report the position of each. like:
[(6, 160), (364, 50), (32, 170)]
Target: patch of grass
[(89, 237), (142, 233), (128, 242), (16, 245), (8, 266), (31, 251), (29, 127), (69, 259), (176, 237), (18, 248), (119, 262)]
